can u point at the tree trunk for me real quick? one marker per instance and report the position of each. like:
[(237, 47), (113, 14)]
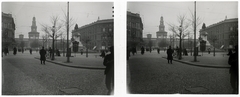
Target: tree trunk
[(53, 48), (180, 48)]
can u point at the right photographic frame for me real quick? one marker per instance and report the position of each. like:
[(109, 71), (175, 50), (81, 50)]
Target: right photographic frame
[(188, 47)]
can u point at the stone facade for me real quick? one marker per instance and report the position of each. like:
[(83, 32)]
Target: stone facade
[(97, 35), (8, 31), (223, 33)]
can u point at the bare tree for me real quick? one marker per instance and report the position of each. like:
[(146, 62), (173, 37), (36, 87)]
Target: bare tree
[(213, 38), (53, 31), (86, 40), (199, 21), (64, 20), (44, 39), (180, 31)]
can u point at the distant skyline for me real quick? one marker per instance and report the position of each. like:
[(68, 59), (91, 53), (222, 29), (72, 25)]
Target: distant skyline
[(209, 12), (82, 13)]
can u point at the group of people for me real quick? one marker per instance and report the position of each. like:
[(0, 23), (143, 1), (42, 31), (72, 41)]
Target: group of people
[(108, 62), (6, 51), (47, 53), (233, 61)]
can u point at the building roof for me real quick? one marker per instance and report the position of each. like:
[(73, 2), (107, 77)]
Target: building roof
[(133, 14), (221, 22), (5, 15), (24, 39), (96, 22), (161, 32), (33, 32)]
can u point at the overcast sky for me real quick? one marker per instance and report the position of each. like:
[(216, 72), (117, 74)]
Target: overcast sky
[(82, 12), (209, 12)]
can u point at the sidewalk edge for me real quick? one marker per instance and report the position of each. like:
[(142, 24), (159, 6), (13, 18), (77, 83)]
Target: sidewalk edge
[(202, 65), (83, 67)]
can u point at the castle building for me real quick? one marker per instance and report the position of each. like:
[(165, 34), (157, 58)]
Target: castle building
[(33, 35), (161, 35)]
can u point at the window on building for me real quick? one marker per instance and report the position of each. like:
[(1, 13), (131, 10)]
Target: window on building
[(103, 29), (231, 28)]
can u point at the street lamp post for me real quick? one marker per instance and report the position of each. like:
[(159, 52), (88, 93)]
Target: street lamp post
[(194, 44), (68, 53)]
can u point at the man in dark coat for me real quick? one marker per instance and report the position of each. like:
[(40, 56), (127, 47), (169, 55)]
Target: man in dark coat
[(233, 61), (50, 52), (42, 55), (169, 54), (30, 50), (209, 50), (128, 53), (102, 54), (5, 51), (142, 50), (14, 50), (158, 50), (109, 71)]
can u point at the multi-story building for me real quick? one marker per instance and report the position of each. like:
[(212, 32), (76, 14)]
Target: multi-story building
[(8, 31), (134, 30), (223, 34), (97, 35)]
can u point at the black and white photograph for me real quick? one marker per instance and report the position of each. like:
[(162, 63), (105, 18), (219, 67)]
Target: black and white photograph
[(162, 48), (182, 47), (57, 48)]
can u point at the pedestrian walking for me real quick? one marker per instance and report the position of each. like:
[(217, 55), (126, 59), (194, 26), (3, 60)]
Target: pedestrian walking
[(5, 51), (169, 54), (209, 50), (142, 50), (109, 70), (133, 50), (30, 50), (128, 53), (81, 51), (22, 50), (102, 54), (229, 52), (14, 51), (158, 50), (50, 52), (233, 61), (42, 55), (178, 51)]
